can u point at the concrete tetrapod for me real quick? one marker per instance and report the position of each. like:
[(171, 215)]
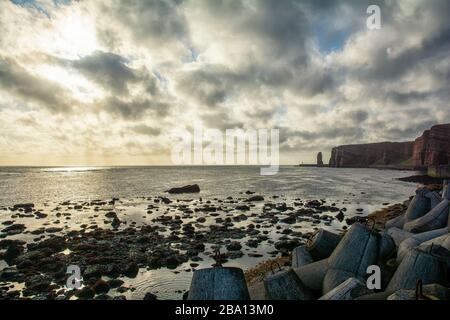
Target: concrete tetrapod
[(219, 283), (418, 265), (435, 219), (396, 222), (347, 290), (301, 257), (399, 235), (419, 205), (417, 239), (322, 244), (312, 274), (357, 250), (286, 285)]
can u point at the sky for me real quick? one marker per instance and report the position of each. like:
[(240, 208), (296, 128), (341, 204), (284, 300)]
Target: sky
[(105, 82)]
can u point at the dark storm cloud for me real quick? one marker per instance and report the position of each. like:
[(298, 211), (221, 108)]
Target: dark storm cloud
[(107, 69), (17, 81)]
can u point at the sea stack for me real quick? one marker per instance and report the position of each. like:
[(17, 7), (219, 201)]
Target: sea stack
[(319, 159)]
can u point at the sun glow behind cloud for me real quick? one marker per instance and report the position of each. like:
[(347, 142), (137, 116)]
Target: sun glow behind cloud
[(81, 88), (72, 36)]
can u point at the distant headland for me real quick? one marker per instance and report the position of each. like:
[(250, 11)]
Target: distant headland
[(430, 151)]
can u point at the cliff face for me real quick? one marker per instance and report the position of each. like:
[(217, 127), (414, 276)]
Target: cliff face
[(372, 154), (430, 149), (433, 147)]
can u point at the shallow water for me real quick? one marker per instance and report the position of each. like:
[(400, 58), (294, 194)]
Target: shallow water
[(48, 188), (39, 185)]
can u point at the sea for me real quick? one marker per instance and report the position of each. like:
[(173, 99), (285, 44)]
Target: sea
[(361, 191)]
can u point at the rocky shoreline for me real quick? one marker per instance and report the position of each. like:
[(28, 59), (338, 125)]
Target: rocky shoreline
[(184, 235), (409, 241)]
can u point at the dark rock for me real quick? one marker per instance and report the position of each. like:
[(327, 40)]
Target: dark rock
[(94, 271), (252, 243), (289, 220), (234, 246), (131, 270), (10, 274), (115, 283), (101, 286), (255, 198), (116, 222), (14, 229), (13, 252), (186, 189), (85, 293), (111, 214), (38, 283), (27, 207), (288, 245), (150, 296)]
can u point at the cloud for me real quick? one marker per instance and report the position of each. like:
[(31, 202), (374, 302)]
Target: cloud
[(107, 69), (146, 130), (134, 109), (17, 81), (133, 70)]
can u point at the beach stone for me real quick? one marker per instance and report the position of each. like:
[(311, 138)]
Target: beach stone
[(27, 207), (85, 293), (234, 246), (255, 198), (13, 252), (14, 229), (185, 189), (111, 214), (150, 296), (10, 274), (287, 245), (38, 283), (115, 283), (93, 271), (101, 286)]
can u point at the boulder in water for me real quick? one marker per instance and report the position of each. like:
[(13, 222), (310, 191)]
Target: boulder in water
[(186, 189)]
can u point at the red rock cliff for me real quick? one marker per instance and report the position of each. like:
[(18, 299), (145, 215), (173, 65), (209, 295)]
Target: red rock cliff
[(372, 154), (433, 147)]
